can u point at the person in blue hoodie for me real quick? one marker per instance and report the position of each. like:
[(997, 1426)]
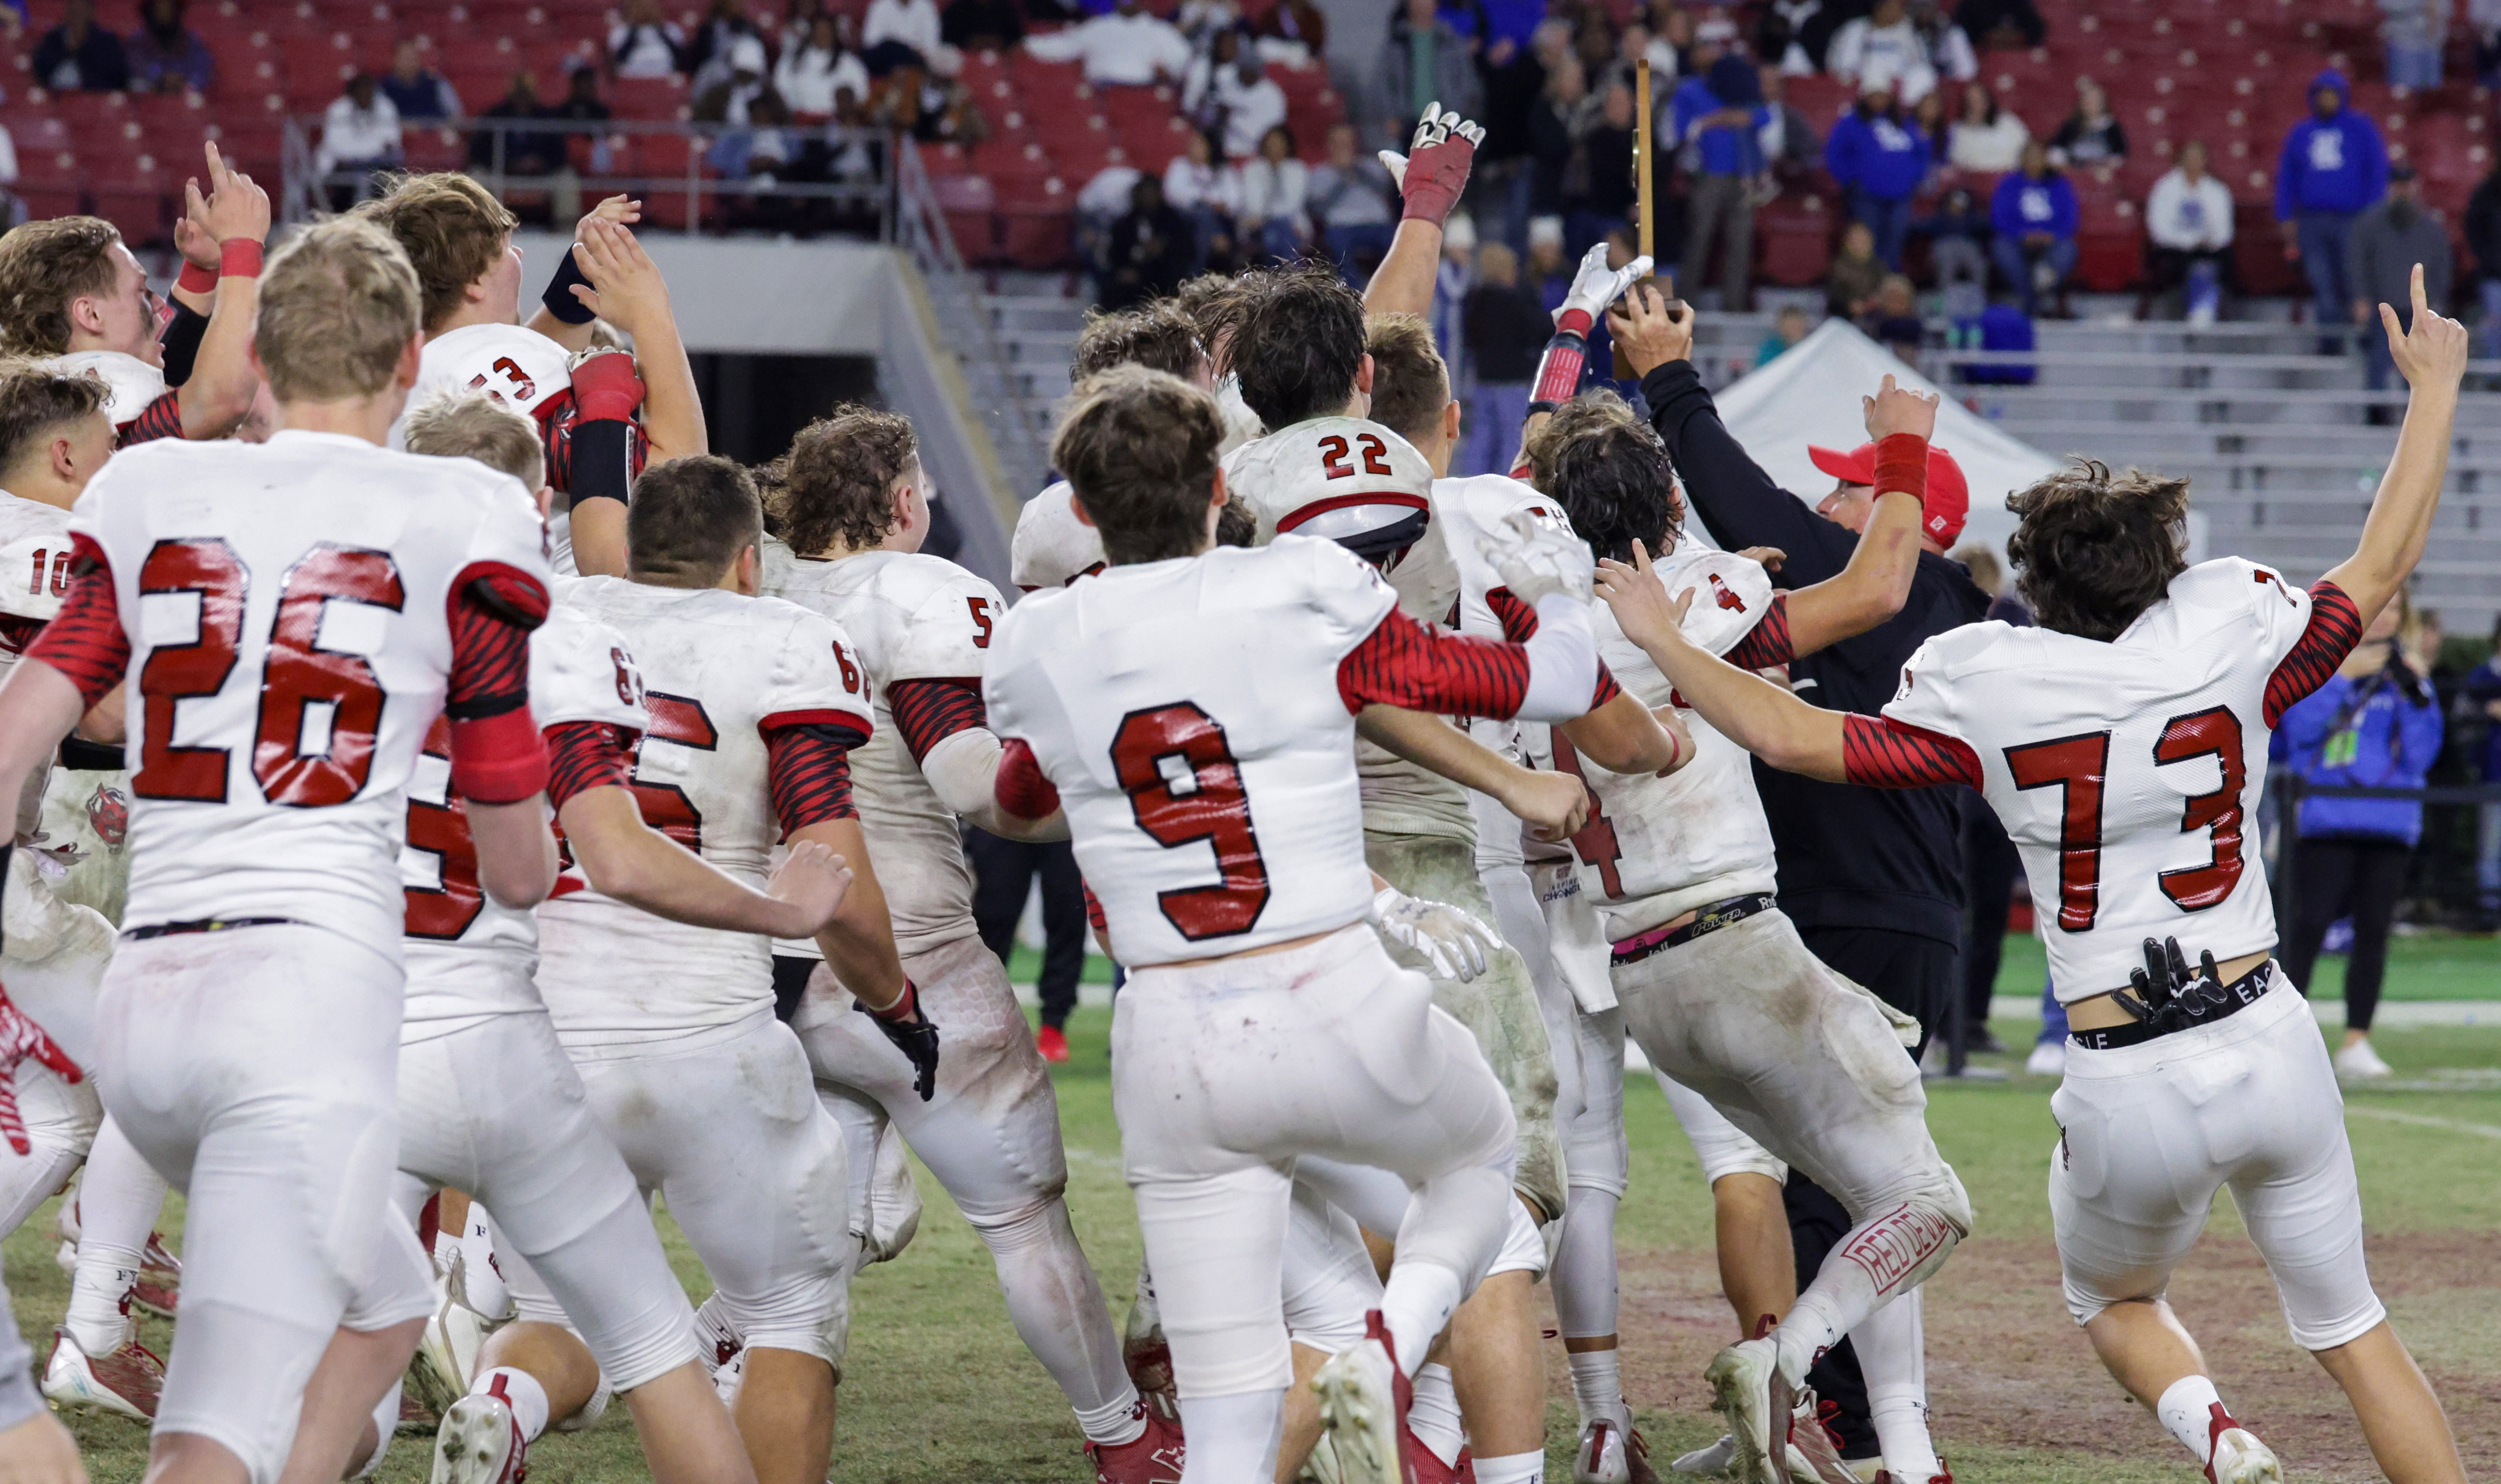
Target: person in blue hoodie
[(1879, 160), (2375, 724), (2334, 167), (1712, 125), (2034, 216)]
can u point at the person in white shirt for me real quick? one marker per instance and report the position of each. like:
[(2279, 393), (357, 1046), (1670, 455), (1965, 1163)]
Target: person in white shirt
[(1210, 196), (2189, 231), (1275, 187), (1249, 103), (1888, 45), (911, 23), (1985, 137), (814, 71), (360, 132), (644, 44), (1125, 48)]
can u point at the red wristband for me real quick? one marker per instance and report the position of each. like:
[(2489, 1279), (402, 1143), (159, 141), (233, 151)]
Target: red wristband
[(905, 1003), (239, 258), (1902, 465), (196, 280), (498, 759)]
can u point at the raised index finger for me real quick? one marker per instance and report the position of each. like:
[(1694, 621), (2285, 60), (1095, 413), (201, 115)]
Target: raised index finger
[(2422, 305)]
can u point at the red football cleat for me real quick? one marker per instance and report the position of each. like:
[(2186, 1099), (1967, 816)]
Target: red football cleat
[(1053, 1042), (1152, 1457)]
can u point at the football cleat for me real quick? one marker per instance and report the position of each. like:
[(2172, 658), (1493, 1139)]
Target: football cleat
[(1612, 1455), (1053, 1042), (447, 1352), (2237, 1457), (1363, 1406), (1711, 1461), (1814, 1447), (481, 1442), (1943, 1475), (1152, 1457), (1753, 1400), (125, 1383)]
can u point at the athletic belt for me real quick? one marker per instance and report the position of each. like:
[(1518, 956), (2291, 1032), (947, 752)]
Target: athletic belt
[(207, 925), (1707, 919), (2245, 991)]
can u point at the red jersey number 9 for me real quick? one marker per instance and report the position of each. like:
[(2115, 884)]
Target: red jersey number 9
[(1212, 809)]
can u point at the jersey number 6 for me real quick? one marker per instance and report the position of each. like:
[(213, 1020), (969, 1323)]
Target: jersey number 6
[(1184, 787)]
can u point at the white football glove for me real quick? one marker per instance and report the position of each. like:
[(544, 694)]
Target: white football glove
[(1435, 127), (1452, 943), (1597, 285), (1537, 561)]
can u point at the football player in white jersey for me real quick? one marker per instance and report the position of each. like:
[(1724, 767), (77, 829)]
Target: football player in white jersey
[(854, 508), (755, 704), (316, 601), (2121, 743), (1713, 980), (73, 292), (460, 238), (489, 1103), (1194, 734)]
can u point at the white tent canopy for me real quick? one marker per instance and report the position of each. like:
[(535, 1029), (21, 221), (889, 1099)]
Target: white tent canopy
[(1811, 395)]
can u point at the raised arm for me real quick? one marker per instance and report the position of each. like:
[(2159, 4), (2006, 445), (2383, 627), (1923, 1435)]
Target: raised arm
[(217, 393), (1877, 580), (1430, 177), (560, 317), (1594, 287), (2433, 357), (625, 287)]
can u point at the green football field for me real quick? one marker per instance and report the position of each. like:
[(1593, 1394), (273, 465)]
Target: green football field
[(938, 1388)]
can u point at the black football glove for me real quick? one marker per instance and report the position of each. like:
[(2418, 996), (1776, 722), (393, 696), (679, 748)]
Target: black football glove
[(914, 1034), (2170, 995)]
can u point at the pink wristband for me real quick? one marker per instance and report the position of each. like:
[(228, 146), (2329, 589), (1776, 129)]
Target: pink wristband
[(196, 280), (239, 258)]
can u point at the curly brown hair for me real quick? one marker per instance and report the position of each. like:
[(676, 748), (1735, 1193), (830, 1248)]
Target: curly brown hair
[(452, 228), (1299, 344), (1597, 408), (44, 267), (2093, 549), (838, 480), (1157, 336)]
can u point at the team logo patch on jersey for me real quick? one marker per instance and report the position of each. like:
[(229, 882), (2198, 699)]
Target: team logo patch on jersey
[(108, 813), (1724, 596), (2262, 578)]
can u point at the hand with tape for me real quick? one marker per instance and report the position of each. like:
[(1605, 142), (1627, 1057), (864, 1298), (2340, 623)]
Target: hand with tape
[(1434, 169)]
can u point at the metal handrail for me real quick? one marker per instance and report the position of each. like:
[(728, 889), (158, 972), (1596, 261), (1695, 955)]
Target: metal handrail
[(923, 229)]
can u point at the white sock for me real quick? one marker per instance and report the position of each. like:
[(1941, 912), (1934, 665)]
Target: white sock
[(2187, 1408), (1512, 1469), (1433, 1413), (1892, 1351), (1598, 1386), (1902, 1435), (99, 1314), (1115, 1422), (1417, 1304), (521, 1392), (1232, 1439)]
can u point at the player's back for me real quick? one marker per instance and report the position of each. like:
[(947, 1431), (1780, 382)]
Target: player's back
[(719, 671), (2127, 773), (1189, 714), (913, 618), (289, 613)]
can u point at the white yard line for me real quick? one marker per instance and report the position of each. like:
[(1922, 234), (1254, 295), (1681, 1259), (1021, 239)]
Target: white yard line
[(2423, 1120)]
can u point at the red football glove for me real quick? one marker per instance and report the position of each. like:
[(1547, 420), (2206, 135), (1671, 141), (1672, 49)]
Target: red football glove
[(606, 385), (20, 1038), (1434, 169)]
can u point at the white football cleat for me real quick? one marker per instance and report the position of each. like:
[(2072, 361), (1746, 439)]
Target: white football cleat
[(1599, 1459), (2049, 1059), (1752, 1398), (2359, 1063), (1362, 1395), (1709, 1462), (447, 1352), (480, 1443), (2240, 1458), (125, 1383)]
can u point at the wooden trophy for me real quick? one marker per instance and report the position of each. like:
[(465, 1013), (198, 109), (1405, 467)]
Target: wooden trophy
[(1645, 225)]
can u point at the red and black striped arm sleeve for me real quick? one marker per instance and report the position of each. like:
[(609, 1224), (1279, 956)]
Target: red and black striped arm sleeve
[(1413, 665), (497, 755), (1880, 752), (808, 767), (2334, 627), (84, 641), (1519, 625), (1767, 644), (584, 755), (928, 712), (160, 418)]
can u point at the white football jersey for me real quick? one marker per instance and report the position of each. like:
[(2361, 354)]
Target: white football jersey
[(717, 670), (579, 671), (2129, 772), (914, 618), (34, 571), (133, 384), (76, 819), (1240, 424), (286, 605), (1657, 847), (511, 363), (1052, 547), (1187, 712), (1462, 507)]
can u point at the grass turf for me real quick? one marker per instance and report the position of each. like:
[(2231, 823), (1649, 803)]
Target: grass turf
[(2422, 965), (936, 1385)]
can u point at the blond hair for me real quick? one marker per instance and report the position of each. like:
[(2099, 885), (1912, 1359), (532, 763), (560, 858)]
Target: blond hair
[(1411, 385), (472, 425), (452, 229), (338, 307), (45, 267)]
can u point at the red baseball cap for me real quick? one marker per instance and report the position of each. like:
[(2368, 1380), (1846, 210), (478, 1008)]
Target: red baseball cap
[(1944, 507)]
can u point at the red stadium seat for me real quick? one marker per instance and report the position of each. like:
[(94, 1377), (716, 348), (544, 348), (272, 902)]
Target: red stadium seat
[(969, 205), (1152, 148), (2110, 246), (1004, 160), (93, 117), (136, 194), (435, 148), (984, 73), (647, 98), (1037, 221), (1793, 235), (946, 161), (49, 183)]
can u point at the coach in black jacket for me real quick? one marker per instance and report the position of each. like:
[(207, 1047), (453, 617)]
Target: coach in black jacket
[(1871, 878)]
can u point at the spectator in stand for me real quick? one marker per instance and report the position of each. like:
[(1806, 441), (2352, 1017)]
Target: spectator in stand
[(1715, 122), (1248, 104), (1200, 20), (1880, 161), (1894, 320), (79, 55), (1427, 62), (1505, 328), (1787, 329), (1276, 195), (1547, 272), (2483, 242), (2091, 135), (1554, 127), (1957, 235), (1125, 48), (900, 33), (981, 25), (1790, 146), (1602, 194), (798, 18), (524, 151), (1148, 250), (2386, 242), (2375, 724), (1223, 49), (2416, 31), (644, 45), (2483, 698), (1886, 46), (2001, 22), (359, 134), (2188, 234), (708, 57), (1985, 137), (1928, 116), (167, 56), (2034, 216), (741, 81), (1948, 45), (1209, 195), (815, 71), (1857, 273), (1350, 204), (417, 90), (2333, 167), (1293, 32)]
